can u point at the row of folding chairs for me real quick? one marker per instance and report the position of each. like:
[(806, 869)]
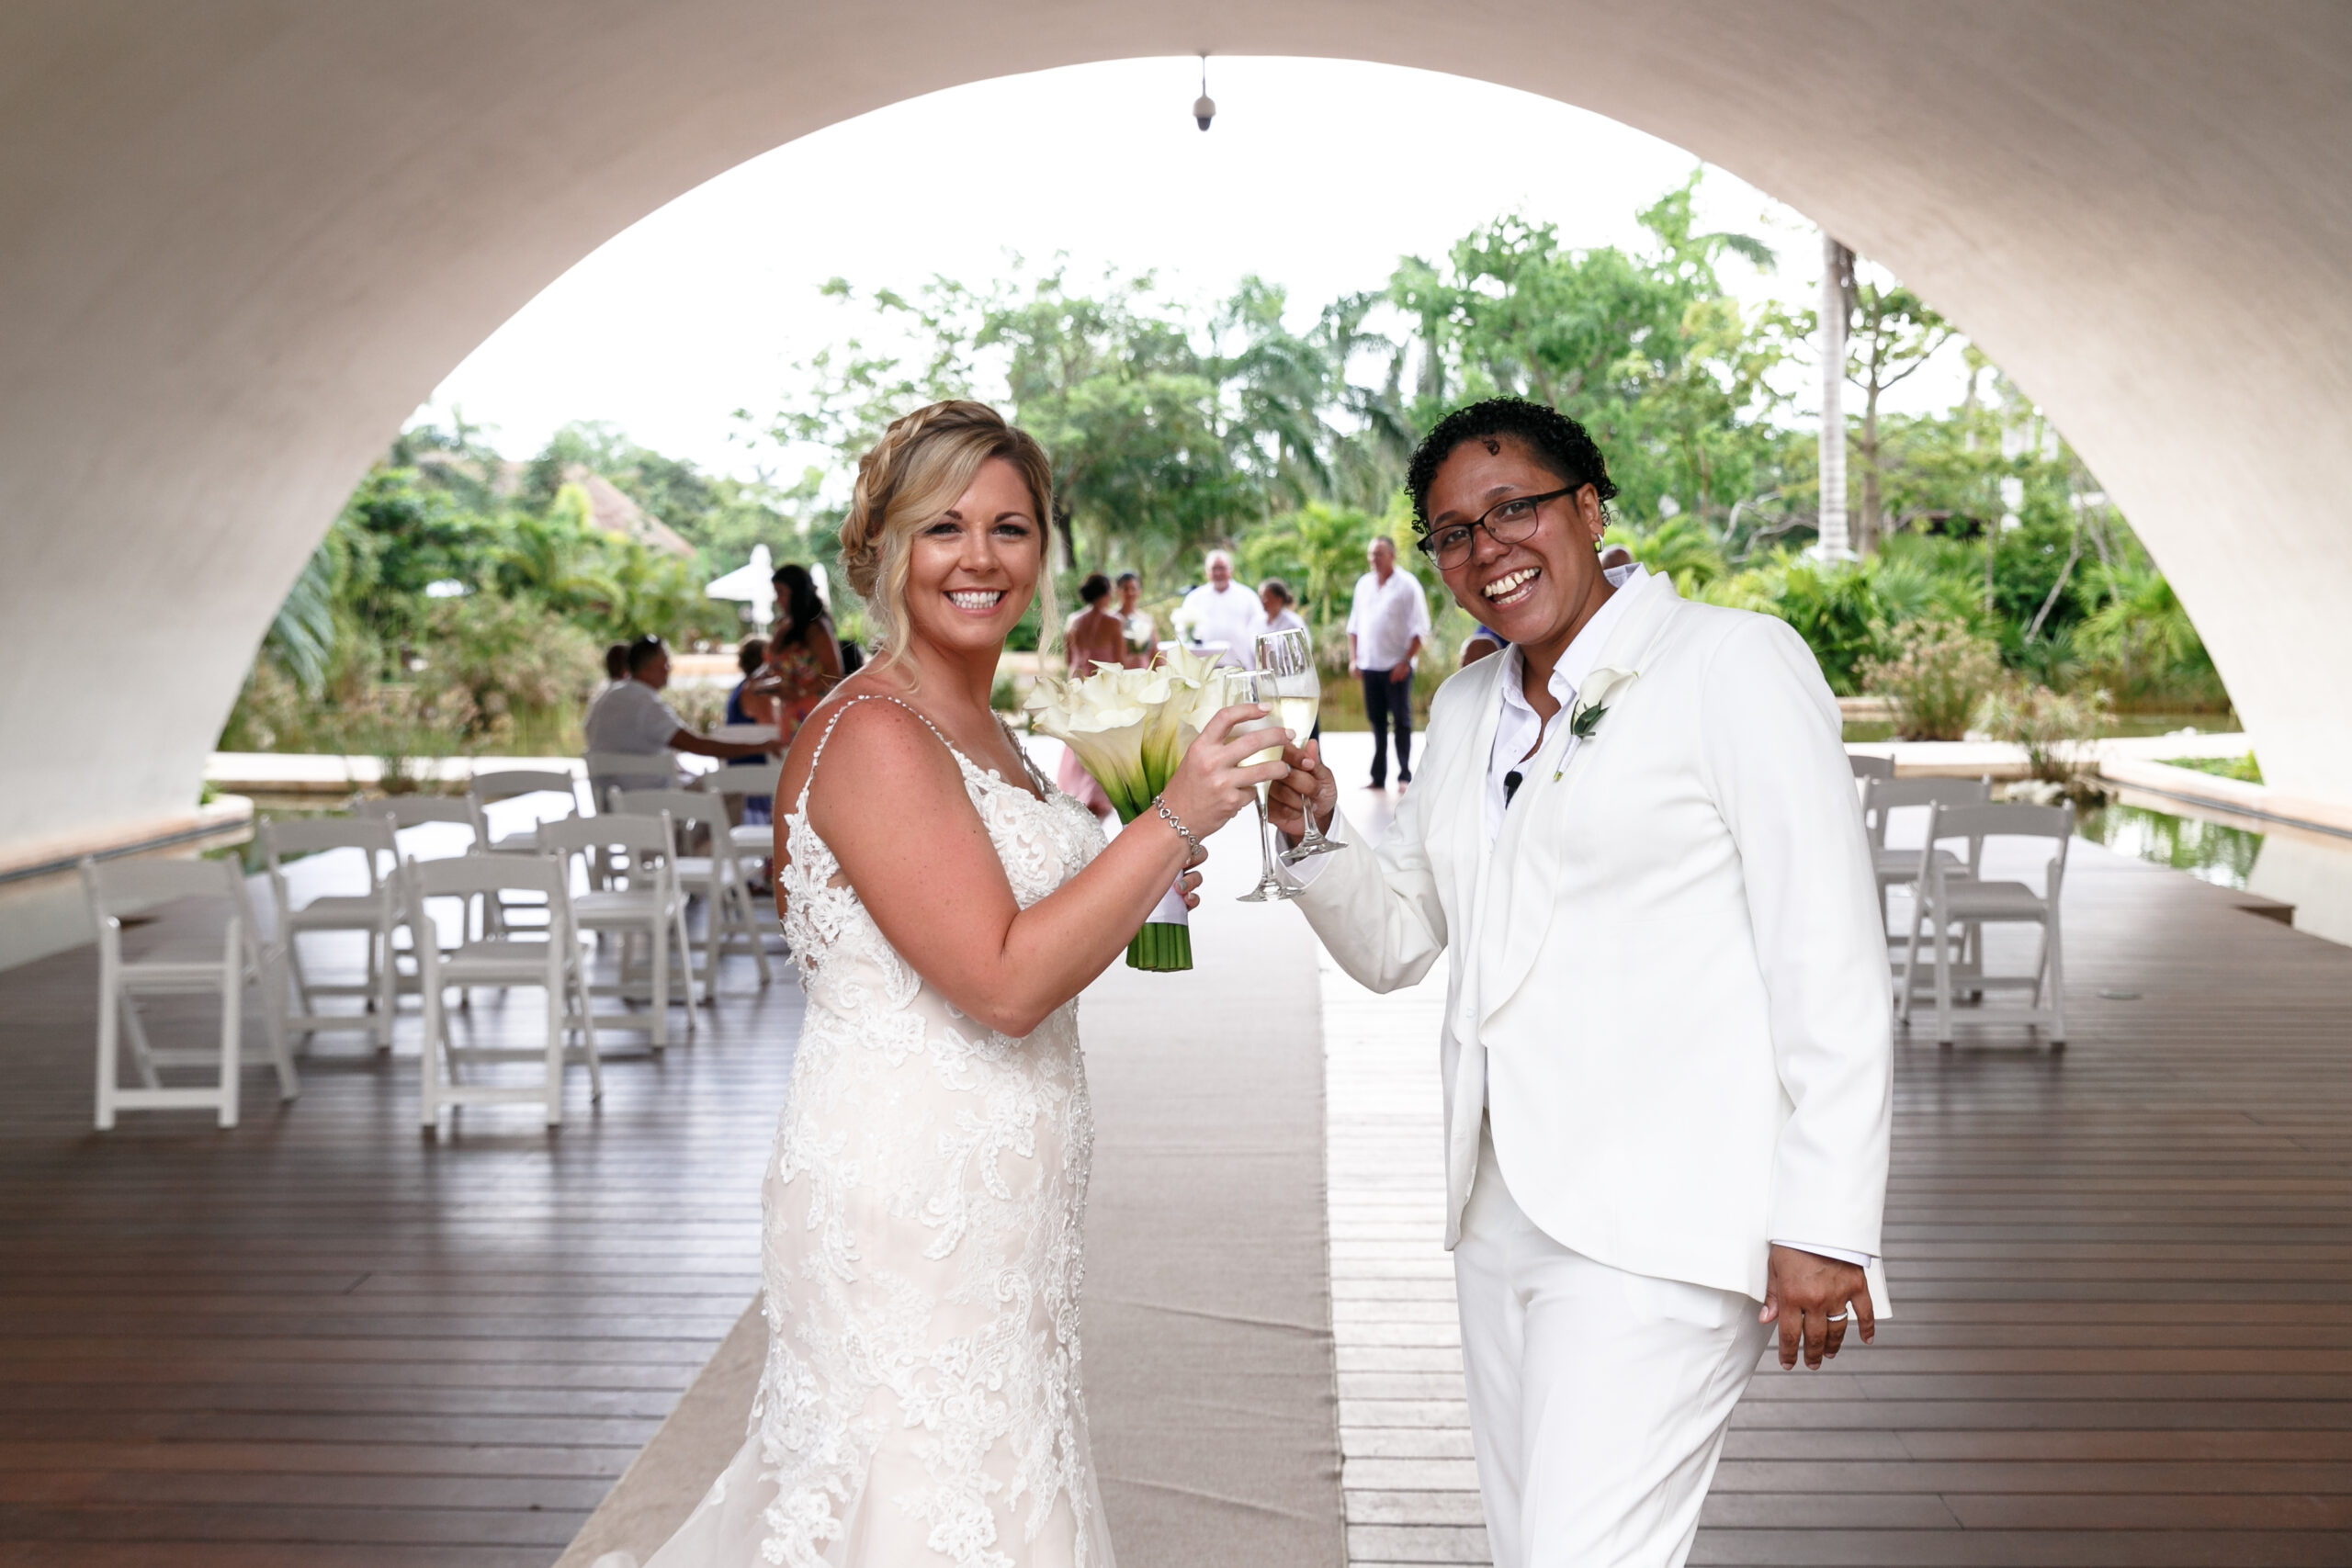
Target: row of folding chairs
[(1952, 901), (638, 885)]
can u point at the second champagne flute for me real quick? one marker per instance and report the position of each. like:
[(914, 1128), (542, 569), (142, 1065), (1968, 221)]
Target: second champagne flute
[(1289, 658), (1256, 686)]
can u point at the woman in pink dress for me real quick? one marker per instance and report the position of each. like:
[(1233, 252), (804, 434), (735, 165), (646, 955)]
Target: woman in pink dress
[(1094, 635)]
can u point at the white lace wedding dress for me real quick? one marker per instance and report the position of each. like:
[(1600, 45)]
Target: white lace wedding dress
[(922, 1252)]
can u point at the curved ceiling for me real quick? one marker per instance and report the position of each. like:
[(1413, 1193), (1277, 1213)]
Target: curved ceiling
[(240, 241)]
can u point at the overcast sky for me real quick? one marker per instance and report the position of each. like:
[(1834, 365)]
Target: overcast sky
[(1317, 176)]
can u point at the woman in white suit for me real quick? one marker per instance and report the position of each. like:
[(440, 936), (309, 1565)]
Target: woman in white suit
[(1666, 1047)]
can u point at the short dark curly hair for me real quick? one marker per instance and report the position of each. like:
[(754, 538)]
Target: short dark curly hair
[(1558, 442)]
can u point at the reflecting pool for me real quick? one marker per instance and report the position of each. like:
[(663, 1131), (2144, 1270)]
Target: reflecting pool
[(2311, 870)]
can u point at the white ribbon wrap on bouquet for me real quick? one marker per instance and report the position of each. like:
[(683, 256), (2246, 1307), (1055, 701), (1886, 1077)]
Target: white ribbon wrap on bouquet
[(1170, 910)]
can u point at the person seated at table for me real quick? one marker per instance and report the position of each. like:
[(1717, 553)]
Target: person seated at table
[(631, 719), (745, 706)]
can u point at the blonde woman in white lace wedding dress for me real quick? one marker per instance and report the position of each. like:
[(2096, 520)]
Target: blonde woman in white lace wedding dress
[(925, 1203)]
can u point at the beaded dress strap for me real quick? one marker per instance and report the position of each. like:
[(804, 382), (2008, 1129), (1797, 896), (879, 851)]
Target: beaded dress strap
[(800, 808)]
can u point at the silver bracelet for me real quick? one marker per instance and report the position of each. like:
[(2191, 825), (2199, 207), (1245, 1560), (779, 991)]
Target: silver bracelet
[(1159, 804)]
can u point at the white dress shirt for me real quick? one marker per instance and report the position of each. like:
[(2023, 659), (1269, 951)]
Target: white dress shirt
[(1231, 615), (631, 719), (1385, 618), (1521, 731)]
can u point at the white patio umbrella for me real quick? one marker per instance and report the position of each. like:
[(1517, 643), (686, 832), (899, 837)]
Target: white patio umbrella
[(751, 584)]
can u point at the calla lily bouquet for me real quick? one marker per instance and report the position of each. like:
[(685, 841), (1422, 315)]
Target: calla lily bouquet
[(1130, 728)]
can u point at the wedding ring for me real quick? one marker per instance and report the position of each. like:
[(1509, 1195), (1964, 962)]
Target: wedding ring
[(1847, 1317)]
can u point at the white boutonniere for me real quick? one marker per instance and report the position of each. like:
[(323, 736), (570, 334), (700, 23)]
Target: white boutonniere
[(1592, 706)]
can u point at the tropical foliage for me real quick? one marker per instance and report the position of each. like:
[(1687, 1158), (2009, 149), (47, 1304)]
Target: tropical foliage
[(1283, 431)]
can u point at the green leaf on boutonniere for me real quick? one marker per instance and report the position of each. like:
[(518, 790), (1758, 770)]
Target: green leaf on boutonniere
[(1586, 721)]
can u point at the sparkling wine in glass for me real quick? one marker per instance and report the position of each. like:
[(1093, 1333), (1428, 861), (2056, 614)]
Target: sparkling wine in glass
[(1288, 659), (1257, 686)]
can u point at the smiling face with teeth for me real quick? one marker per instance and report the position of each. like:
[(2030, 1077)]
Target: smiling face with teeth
[(971, 573), (1536, 592)]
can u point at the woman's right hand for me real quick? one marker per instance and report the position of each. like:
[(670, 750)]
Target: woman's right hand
[(1211, 787)]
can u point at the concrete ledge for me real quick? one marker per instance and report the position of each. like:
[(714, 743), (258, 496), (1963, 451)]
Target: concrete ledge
[(2000, 760), (2235, 796), (40, 857), (321, 773)]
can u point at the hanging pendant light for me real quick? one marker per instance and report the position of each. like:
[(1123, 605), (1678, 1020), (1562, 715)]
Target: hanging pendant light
[(1204, 106)]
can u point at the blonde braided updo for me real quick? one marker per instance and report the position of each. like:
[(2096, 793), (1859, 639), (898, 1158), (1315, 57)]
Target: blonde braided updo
[(921, 467)]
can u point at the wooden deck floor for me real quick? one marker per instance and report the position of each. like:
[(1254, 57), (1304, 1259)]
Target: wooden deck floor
[(2122, 1275), (2123, 1278), (324, 1340)]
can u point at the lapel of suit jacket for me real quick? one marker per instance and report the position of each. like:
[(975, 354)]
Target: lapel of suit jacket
[(1519, 903)]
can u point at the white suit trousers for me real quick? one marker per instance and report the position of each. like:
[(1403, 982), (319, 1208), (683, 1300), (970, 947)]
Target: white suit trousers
[(1598, 1398)]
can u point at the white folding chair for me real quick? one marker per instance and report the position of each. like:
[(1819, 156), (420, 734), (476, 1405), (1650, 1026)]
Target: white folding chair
[(650, 907), (549, 961), (1866, 766), (408, 813), (374, 914), (187, 966), (1972, 903), (609, 771), (1882, 797), (728, 918), (514, 783), (748, 782)]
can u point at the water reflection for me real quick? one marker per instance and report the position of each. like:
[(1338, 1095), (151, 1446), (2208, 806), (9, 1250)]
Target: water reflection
[(2210, 852), (2311, 870)]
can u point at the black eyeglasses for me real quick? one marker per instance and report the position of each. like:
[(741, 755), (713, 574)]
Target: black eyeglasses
[(1506, 523)]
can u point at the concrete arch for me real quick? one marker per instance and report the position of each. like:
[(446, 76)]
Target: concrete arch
[(240, 241)]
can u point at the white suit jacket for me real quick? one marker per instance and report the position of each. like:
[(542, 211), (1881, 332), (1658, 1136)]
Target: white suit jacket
[(1670, 984)]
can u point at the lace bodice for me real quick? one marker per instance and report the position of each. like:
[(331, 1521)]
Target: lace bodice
[(922, 1250), (1044, 838)]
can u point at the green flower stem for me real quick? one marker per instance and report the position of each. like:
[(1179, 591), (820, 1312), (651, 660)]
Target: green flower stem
[(1161, 949)]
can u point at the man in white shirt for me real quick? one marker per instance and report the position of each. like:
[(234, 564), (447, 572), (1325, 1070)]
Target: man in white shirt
[(1222, 615), (1666, 1045), (1388, 623), (631, 720)]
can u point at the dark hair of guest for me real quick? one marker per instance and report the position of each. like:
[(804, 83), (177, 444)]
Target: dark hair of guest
[(798, 602)]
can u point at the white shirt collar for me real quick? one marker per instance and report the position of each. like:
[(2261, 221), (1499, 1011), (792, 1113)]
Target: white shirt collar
[(1583, 652)]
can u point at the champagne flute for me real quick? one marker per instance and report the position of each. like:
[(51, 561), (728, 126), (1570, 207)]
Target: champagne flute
[(1288, 657), (1257, 686)]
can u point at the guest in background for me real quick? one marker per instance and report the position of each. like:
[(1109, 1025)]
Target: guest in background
[(1616, 565), (804, 654), (1481, 643), (1274, 596), (631, 720), (1388, 623), (1093, 635), (1142, 636), (745, 706), (1221, 614), (616, 668)]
